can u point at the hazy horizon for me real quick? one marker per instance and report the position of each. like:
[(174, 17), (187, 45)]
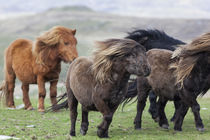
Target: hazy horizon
[(138, 8)]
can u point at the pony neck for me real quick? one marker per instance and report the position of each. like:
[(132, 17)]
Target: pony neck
[(48, 58)]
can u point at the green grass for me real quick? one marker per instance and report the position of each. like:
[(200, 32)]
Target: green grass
[(56, 125)]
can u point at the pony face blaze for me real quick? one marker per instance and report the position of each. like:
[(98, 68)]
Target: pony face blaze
[(137, 62), (67, 47)]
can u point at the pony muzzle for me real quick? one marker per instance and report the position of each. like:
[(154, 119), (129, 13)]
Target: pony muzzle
[(147, 70)]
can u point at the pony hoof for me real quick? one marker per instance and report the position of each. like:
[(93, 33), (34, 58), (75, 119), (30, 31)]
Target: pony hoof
[(12, 107), (157, 119), (172, 119), (137, 128), (200, 129), (72, 133), (41, 110), (178, 130), (165, 126), (29, 108), (83, 132), (102, 133)]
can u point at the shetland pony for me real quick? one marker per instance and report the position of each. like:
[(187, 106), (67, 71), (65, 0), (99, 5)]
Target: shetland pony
[(37, 63), (100, 83), (152, 39), (181, 78)]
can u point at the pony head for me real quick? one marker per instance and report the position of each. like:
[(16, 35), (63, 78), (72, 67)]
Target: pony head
[(119, 55), (59, 40), (136, 60)]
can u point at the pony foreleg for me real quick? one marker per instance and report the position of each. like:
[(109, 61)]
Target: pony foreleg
[(53, 92), (26, 99), (141, 102), (153, 109), (42, 93), (163, 122), (143, 89), (107, 116)]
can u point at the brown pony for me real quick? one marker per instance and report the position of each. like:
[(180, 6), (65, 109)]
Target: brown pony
[(37, 63), (100, 83)]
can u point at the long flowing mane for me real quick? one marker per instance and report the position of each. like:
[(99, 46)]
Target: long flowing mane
[(104, 54), (188, 56), (48, 40)]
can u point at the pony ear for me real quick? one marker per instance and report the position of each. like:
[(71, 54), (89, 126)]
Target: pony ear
[(74, 31), (143, 40)]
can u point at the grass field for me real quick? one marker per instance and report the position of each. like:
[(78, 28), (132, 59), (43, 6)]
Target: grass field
[(56, 125)]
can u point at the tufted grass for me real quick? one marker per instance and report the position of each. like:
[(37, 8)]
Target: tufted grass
[(56, 125)]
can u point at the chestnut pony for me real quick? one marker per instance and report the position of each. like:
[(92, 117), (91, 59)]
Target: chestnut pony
[(37, 63), (100, 83)]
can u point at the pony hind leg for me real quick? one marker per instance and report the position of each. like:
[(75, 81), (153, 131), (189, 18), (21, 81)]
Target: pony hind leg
[(181, 112), (176, 105), (85, 122), (196, 112), (26, 99), (10, 83), (73, 103)]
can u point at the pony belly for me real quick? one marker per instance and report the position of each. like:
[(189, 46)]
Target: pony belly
[(26, 75), (24, 72), (29, 79), (83, 97)]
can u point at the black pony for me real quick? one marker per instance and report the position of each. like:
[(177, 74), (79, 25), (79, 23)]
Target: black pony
[(151, 39)]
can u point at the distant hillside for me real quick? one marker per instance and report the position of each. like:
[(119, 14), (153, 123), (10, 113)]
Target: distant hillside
[(92, 26), (140, 8)]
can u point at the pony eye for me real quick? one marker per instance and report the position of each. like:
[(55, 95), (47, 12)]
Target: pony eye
[(66, 43)]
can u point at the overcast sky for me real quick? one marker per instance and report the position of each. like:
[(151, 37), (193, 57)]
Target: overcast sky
[(142, 8)]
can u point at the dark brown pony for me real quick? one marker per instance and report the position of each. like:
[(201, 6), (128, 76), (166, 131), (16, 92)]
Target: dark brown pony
[(182, 79), (37, 63), (100, 83)]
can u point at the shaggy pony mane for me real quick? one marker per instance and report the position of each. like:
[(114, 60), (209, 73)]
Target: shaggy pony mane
[(48, 40), (188, 56), (104, 54)]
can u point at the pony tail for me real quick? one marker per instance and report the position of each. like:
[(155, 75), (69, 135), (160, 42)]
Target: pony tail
[(4, 93)]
